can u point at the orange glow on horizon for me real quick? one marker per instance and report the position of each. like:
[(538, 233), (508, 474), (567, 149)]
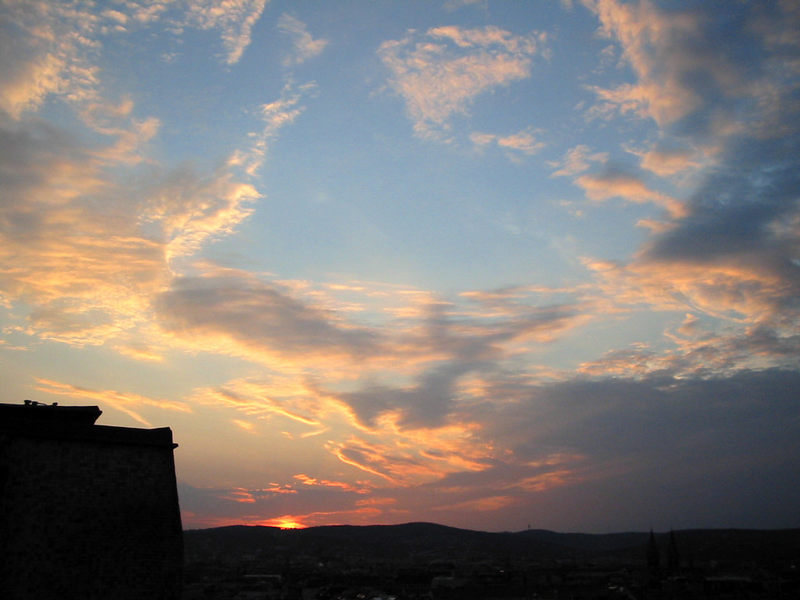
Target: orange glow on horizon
[(284, 522)]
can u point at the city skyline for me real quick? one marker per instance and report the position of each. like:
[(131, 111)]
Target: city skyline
[(485, 264)]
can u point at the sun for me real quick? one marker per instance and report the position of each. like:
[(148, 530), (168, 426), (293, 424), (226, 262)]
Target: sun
[(290, 524), (284, 522)]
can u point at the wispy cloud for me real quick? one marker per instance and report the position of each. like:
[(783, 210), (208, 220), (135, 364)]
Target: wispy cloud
[(523, 142), (276, 115), (127, 403), (577, 160), (233, 18), (234, 306), (562, 445), (441, 72), (61, 253), (50, 49), (617, 184), (304, 45), (46, 50)]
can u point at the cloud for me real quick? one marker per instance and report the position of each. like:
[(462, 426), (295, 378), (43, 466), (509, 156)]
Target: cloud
[(85, 246), (286, 396), (344, 486), (689, 70), (233, 18), (539, 451), (666, 161), (187, 209), (407, 400), (233, 306), (524, 142), (116, 122), (305, 46), (59, 255), (303, 330), (440, 73), (661, 49), (125, 402), (617, 184), (577, 160), (51, 49), (92, 230), (406, 460), (276, 115), (736, 249), (45, 50), (730, 253), (661, 432)]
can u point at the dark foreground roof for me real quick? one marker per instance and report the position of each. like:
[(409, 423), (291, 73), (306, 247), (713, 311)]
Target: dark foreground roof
[(76, 423)]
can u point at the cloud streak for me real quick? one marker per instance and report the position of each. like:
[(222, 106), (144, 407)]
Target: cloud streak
[(233, 18), (304, 45)]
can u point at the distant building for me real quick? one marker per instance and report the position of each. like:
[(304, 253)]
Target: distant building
[(653, 554), (86, 511), (673, 556)]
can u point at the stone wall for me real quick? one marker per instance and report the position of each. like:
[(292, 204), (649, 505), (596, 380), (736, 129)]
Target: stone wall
[(88, 512)]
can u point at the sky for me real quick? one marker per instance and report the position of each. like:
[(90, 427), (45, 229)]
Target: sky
[(489, 264)]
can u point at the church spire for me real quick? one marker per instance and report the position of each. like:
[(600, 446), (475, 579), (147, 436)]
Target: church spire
[(653, 555), (673, 558)]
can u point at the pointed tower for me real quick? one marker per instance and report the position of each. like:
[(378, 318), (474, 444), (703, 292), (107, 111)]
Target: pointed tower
[(673, 558), (653, 555)]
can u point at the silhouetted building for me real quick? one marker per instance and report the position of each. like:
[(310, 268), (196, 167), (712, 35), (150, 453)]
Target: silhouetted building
[(86, 511), (653, 555), (673, 557)]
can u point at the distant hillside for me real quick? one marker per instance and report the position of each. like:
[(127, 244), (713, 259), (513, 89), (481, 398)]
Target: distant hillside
[(438, 542)]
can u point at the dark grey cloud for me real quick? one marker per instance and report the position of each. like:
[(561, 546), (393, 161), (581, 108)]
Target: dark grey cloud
[(735, 250), (35, 158), (664, 437), (756, 181), (259, 316), (739, 207), (606, 454), (427, 403), (464, 346)]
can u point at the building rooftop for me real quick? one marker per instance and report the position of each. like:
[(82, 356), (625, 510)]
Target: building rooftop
[(38, 420)]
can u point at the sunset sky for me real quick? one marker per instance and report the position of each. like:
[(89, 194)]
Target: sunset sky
[(491, 264)]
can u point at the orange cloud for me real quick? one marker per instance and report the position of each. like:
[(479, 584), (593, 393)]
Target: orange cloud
[(311, 519), (627, 187), (75, 224), (669, 51), (256, 398), (344, 486), (124, 402), (725, 289), (669, 162), (411, 456), (52, 58), (240, 495)]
